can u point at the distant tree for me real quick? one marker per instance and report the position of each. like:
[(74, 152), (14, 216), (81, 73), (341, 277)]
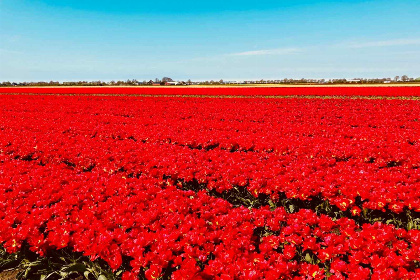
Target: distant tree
[(189, 82), (404, 78), (167, 79), (396, 78), (6, 84)]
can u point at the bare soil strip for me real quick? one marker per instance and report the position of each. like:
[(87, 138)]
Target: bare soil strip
[(222, 96), (9, 274), (242, 86)]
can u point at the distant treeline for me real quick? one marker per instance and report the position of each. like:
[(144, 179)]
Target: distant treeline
[(169, 81)]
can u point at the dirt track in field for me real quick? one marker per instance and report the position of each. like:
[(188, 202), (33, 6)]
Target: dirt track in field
[(9, 274), (244, 86), (220, 96)]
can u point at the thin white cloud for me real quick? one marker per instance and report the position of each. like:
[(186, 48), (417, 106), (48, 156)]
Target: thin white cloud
[(332, 69), (388, 43), (281, 51), (5, 51)]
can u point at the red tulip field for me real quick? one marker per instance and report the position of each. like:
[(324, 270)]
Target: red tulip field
[(156, 183), (245, 91)]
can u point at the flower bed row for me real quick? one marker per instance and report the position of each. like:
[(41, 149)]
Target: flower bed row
[(244, 190), (350, 162), (226, 91), (187, 234)]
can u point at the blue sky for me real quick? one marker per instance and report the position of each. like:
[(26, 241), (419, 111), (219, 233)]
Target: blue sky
[(203, 40)]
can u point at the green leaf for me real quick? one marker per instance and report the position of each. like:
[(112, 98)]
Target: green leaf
[(364, 211), (49, 275), (272, 205), (75, 267), (410, 225), (291, 208), (102, 277), (35, 263), (308, 258), (389, 221), (86, 274)]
